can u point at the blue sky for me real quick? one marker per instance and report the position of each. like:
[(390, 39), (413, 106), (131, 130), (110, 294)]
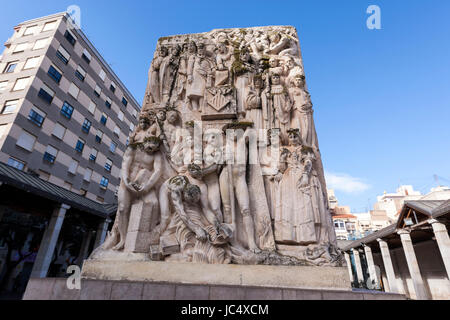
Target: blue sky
[(381, 97)]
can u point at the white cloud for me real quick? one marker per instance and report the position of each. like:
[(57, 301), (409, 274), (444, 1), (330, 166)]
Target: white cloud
[(345, 183)]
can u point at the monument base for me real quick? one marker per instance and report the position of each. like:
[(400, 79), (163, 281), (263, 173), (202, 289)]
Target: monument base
[(294, 277)]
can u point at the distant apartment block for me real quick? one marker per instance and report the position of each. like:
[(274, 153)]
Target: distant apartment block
[(64, 114)]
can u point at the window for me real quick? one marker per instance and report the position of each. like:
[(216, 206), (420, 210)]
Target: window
[(86, 125), (104, 183), (74, 90), (102, 74), (70, 37), (108, 103), (44, 175), (49, 26), (3, 85), (131, 126), (16, 163), (63, 55), (67, 110), (80, 73), (92, 107), (97, 91), (108, 165), (21, 84), (80, 145), (99, 136), (31, 63), (10, 106), (87, 174), (50, 154), (3, 128), (59, 131), (120, 116), (117, 131), (73, 166), (134, 113), (112, 87), (103, 119), (10, 67), (54, 74), (30, 30), (86, 56), (26, 141), (36, 116), (93, 155), (41, 43), (46, 93), (20, 47), (124, 101), (112, 147)]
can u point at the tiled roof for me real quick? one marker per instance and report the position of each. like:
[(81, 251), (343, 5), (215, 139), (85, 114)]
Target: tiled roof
[(28, 182)]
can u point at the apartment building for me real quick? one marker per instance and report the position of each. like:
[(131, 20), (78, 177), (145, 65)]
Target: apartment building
[(64, 114)]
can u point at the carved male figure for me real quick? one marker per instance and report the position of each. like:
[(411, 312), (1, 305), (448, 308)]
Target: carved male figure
[(141, 169)]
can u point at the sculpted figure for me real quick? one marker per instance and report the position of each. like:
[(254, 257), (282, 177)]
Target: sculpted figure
[(171, 127), (167, 73), (199, 76), (141, 169), (282, 44), (314, 202), (154, 83), (223, 59), (294, 222), (233, 185), (274, 67), (198, 239), (269, 167), (256, 103), (212, 157), (302, 108), (243, 70), (281, 105), (147, 127), (182, 73)]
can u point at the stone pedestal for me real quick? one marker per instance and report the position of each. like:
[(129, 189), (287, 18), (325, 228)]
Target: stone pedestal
[(138, 236)]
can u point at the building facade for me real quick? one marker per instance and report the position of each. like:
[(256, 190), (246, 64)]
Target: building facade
[(64, 114)]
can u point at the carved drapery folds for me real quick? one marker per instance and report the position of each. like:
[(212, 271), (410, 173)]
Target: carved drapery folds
[(186, 196)]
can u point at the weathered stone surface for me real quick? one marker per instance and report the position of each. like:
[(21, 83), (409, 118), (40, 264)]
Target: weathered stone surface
[(199, 181), (62, 292), (137, 290), (190, 273)]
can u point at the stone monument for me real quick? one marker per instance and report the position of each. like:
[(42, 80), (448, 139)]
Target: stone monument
[(224, 168)]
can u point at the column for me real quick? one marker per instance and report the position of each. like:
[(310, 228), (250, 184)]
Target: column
[(443, 241), (413, 265), (84, 248), (349, 265), (388, 267), (359, 272), (48, 242), (371, 265), (101, 232)]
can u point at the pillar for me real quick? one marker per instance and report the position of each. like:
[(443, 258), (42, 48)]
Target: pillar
[(349, 265), (48, 242), (84, 248), (388, 267), (443, 241), (359, 272), (413, 265), (371, 265), (101, 232)]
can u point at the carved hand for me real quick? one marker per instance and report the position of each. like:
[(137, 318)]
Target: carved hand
[(201, 234)]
